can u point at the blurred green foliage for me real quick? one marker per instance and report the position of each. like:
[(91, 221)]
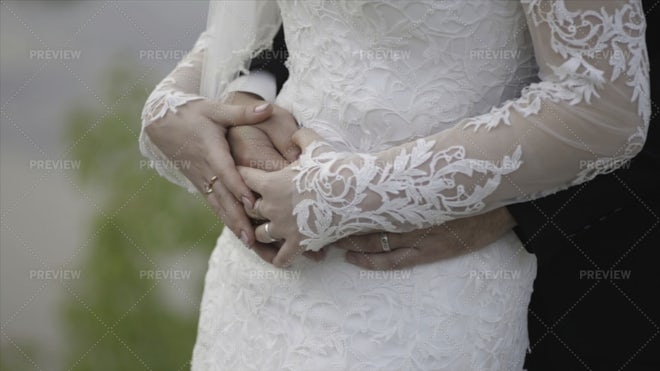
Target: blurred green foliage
[(115, 318)]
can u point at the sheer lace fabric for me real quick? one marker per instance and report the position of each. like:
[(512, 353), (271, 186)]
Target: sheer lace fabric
[(205, 73), (181, 86), (587, 116)]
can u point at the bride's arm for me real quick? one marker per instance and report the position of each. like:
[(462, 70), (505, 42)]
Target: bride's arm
[(179, 87), (587, 116), (184, 126)]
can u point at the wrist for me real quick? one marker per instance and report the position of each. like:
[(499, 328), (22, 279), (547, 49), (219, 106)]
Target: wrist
[(505, 217), (491, 226)]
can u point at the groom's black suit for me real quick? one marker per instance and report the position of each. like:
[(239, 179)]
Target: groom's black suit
[(596, 296), (596, 300)]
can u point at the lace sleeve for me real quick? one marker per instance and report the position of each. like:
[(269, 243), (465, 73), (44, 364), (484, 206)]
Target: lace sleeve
[(587, 116), (236, 32), (181, 86)]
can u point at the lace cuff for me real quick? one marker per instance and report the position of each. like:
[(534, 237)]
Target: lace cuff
[(588, 116), (178, 88)]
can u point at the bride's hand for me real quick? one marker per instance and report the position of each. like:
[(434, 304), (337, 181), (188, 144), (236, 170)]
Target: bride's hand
[(277, 202), (451, 239), (265, 146), (195, 138)]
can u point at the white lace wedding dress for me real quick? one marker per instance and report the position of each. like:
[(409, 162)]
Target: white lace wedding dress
[(372, 76)]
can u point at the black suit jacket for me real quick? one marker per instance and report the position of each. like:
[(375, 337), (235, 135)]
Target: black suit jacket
[(595, 296)]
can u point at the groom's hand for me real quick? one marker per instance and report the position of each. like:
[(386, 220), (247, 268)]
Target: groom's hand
[(448, 240), (266, 146)]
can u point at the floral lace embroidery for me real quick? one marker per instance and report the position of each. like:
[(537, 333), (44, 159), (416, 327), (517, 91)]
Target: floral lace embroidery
[(419, 187), (166, 97), (410, 193)]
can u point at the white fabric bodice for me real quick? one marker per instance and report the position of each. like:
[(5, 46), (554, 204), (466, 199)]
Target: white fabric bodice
[(370, 75), (467, 313)]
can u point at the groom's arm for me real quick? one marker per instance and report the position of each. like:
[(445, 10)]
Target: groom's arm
[(273, 61), (268, 72)]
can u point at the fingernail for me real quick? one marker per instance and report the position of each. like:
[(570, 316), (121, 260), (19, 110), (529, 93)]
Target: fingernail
[(261, 108), (244, 238), (246, 202)]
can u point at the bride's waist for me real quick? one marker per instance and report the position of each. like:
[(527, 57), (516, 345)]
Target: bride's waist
[(369, 120), (244, 268), (376, 115)]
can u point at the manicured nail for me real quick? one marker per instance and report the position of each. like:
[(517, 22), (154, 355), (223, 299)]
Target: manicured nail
[(244, 238), (246, 202), (261, 108)]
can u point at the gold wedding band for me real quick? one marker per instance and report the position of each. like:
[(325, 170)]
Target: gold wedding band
[(209, 186), (385, 242)]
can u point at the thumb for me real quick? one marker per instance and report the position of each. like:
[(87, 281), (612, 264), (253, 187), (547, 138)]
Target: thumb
[(254, 178), (304, 137), (287, 254), (229, 115)]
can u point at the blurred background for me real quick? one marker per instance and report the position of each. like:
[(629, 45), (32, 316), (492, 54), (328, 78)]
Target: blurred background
[(101, 260)]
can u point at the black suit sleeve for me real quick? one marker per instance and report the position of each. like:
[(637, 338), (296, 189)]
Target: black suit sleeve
[(273, 60), (549, 224)]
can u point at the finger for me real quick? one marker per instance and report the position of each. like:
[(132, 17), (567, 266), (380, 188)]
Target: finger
[(287, 254), (233, 215), (287, 148), (263, 237), (367, 243), (214, 201), (251, 147), (395, 259), (254, 212), (304, 137), (229, 115), (280, 129), (269, 160), (264, 158), (254, 178), (316, 256), (266, 251), (223, 166)]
